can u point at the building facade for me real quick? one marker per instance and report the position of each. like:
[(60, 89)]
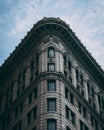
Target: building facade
[(51, 82)]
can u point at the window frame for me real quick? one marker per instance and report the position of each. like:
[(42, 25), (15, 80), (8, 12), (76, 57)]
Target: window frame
[(49, 108), (51, 121), (49, 67), (49, 55), (49, 87)]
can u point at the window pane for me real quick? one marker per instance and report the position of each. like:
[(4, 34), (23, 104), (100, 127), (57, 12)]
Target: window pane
[(51, 104), (51, 67), (51, 85), (51, 53), (67, 128), (51, 124)]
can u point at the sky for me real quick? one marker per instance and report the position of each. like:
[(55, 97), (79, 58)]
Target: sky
[(85, 17)]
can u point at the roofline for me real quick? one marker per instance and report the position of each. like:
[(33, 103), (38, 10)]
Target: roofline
[(65, 27)]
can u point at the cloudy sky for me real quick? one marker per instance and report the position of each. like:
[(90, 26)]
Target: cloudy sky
[(85, 17)]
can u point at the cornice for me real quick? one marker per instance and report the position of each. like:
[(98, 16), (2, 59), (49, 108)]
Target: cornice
[(53, 26)]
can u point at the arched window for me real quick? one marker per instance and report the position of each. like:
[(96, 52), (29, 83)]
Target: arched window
[(51, 52)]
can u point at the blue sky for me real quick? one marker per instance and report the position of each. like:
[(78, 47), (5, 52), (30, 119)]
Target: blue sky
[(85, 17)]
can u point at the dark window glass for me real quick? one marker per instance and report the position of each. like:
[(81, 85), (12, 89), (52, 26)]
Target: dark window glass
[(51, 85), (70, 115), (37, 60), (29, 118), (34, 112), (32, 65), (92, 120), (51, 52), (64, 60), (82, 92), (65, 74), (67, 128), (30, 98), (92, 92), (80, 107), (35, 93), (67, 112), (77, 74), (70, 79), (81, 79), (69, 65), (24, 74), (84, 112), (51, 124), (51, 104), (88, 87), (66, 92), (71, 98), (83, 126), (51, 66)]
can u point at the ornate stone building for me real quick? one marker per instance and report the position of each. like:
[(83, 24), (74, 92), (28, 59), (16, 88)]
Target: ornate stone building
[(51, 82)]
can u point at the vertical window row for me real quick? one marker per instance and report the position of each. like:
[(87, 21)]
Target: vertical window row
[(21, 82), (67, 68), (69, 95), (31, 116), (70, 115), (9, 95), (51, 54), (34, 68), (82, 109), (32, 95)]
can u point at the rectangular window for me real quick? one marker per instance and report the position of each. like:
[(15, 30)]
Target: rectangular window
[(69, 65), (84, 112), (92, 120), (34, 112), (88, 87), (65, 73), (71, 98), (30, 98), (79, 107), (83, 126), (66, 93), (70, 115), (51, 124), (35, 93), (81, 79), (77, 74), (67, 128), (29, 118), (51, 66), (37, 60), (51, 104), (51, 85), (64, 60), (51, 52)]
